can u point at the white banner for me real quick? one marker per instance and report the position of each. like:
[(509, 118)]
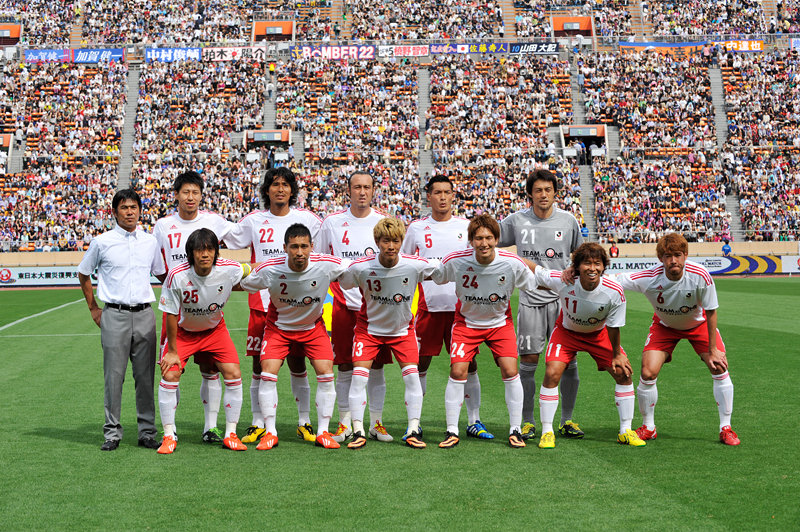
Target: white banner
[(45, 276)]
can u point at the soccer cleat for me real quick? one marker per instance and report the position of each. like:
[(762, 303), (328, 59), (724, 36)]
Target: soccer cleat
[(630, 438), (728, 437), (213, 436), (378, 432), (233, 443), (515, 440), (570, 430), (253, 434), (548, 441), (645, 434), (342, 434), (478, 430), (358, 442), (414, 440), (167, 445), (306, 432), (450, 441), (407, 434), (268, 441), (528, 431), (326, 440)]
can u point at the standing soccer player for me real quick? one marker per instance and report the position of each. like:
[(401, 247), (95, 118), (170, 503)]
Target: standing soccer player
[(297, 284), (684, 299), (172, 233), (262, 232), (592, 312), (546, 235), (348, 234), (192, 299), (434, 237), (388, 281), (485, 279)]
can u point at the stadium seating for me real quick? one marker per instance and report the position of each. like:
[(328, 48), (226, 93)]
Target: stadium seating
[(699, 17)]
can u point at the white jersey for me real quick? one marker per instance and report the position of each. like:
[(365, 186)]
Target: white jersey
[(172, 232), (388, 292), (585, 311), (198, 301), (484, 291), (297, 298), (435, 240), (343, 235), (678, 304), (263, 233)]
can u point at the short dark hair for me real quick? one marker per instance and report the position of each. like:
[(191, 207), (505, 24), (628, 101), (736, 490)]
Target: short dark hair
[(481, 221), (438, 179), (296, 231), (269, 178), (125, 194), (360, 172), (188, 178), (201, 239), (587, 251), (540, 175)]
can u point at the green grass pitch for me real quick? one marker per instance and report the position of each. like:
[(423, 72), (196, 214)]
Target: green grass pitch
[(55, 477)]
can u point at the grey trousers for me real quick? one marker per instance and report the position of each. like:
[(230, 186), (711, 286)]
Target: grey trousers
[(125, 335)]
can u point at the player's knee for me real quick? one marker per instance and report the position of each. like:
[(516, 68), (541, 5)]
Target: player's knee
[(172, 376), (346, 367), (296, 364), (529, 359), (459, 374), (256, 364), (424, 363)]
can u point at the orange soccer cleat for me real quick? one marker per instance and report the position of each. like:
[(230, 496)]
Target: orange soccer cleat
[(645, 434), (326, 440), (268, 441), (233, 443), (167, 445), (728, 437)]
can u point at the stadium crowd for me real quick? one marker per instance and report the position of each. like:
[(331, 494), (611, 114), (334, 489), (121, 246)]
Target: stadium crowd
[(697, 17), (45, 22)]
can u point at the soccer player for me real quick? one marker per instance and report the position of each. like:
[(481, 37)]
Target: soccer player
[(684, 299), (348, 234), (546, 235), (296, 283), (434, 237), (388, 281), (592, 312), (192, 299), (172, 233), (262, 232), (485, 279)]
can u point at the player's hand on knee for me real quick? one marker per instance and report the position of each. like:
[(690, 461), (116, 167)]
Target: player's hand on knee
[(717, 360), (169, 360), (621, 362)]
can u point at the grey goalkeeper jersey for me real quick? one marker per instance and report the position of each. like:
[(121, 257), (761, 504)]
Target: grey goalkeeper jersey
[(547, 242)]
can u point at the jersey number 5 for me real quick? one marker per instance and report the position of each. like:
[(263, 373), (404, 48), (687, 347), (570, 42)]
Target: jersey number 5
[(428, 241)]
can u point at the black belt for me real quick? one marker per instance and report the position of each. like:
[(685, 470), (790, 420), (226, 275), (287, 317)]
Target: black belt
[(129, 308)]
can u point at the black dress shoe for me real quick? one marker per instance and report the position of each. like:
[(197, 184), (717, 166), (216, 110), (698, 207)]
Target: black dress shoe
[(109, 445), (149, 443)]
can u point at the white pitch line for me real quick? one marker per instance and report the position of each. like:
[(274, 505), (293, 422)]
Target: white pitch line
[(63, 335), (4, 327)]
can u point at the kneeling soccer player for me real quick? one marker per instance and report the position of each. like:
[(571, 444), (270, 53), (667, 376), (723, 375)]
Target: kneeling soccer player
[(387, 281), (592, 311), (297, 283), (192, 299)]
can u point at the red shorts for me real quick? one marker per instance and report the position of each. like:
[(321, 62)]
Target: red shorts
[(343, 324), (313, 343), (564, 346), (663, 338), (433, 330), (369, 347), (213, 345), (255, 334), (466, 341)]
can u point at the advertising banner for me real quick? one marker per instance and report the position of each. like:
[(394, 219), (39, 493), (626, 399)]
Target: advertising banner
[(95, 55), (252, 53), (735, 265), (334, 52), (403, 51), (475, 48), (538, 48), (169, 55), (679, 48), (48, 56), (741, 45), (44, 276)]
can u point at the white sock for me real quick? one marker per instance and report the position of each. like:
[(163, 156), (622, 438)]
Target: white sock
[(169, 430), (255, 384), (527, 375), (624, 399), (343, 396), (211, 394), (233, 404), (302, 396), (167, 403), (723, 393), (268, 399), (570, 380), (548, 404), (413, 393), (326, 397), (647, 397), (453, 399), (376, 391), (358, 398), (423, 381), (472, 397), (514, 402)]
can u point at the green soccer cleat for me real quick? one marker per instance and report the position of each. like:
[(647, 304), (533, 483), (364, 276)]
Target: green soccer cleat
[(570, 430), (630, 438), (528, 431), (548, 441), (213, 436)]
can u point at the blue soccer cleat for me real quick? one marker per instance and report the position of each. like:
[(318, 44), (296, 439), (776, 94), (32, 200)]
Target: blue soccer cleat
[(478, 430)]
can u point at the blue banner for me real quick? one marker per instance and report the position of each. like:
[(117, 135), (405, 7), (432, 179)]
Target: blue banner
[(96, 55), (169, 55), (537, 48), (473, 48), (48, 56)]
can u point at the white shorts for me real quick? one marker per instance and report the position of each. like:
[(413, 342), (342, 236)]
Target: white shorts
[(534, 326)]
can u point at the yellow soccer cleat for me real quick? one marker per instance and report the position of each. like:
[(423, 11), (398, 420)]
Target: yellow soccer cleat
[(548, 441), (528, 431), (306, 432), (253, 434), (630, 438)]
